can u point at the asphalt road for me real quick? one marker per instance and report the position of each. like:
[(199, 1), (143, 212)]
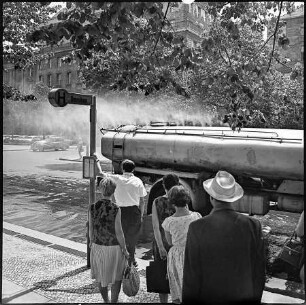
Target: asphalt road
[(45, 191), (20, 160)]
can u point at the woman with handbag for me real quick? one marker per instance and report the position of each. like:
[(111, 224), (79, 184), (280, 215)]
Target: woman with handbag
[(108, 256), (161, 209), (176, 228)]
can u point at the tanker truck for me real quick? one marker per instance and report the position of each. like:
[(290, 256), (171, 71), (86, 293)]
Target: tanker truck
[(267, 163)]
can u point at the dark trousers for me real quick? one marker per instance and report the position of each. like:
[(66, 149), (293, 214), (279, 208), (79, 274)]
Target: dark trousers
[(131, 224)]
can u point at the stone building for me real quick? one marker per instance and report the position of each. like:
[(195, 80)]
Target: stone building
[(294, 30), (188, 20)]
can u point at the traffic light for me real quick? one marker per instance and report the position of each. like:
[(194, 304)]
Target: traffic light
[(61, 97)]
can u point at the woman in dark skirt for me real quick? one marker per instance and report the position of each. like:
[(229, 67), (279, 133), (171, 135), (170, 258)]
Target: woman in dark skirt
[(108, 256), (161, 209)]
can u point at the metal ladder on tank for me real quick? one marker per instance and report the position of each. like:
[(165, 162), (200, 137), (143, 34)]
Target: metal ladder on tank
[(118, 147)]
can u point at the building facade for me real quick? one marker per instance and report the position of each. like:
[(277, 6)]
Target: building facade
[(188, 20), (294, 30)]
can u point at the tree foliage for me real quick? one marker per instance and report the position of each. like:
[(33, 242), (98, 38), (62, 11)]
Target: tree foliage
[(131, 46), (20, 19)]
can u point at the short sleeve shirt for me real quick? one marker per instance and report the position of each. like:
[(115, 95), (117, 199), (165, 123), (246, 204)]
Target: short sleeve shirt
[(178, 227), (103, 214), (129, 190)]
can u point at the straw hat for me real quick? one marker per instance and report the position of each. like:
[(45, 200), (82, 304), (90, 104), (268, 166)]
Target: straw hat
[(223, 187)]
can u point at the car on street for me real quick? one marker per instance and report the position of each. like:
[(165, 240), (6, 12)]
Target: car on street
[(50, 143)]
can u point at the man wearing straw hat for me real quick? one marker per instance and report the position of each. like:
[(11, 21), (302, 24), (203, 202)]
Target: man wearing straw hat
[(224, 254)]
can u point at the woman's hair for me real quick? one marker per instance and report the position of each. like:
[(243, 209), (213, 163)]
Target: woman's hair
[(107, 186), (170, 180), (179, 196), (128, 165)]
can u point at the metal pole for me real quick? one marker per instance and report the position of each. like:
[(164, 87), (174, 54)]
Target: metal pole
[(92, 186)]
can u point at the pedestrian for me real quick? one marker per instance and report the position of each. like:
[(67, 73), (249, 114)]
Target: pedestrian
[(161, 209), (299, 231), (224, 256), (80, 148), (176, 228), (108, 255), (129, 196)]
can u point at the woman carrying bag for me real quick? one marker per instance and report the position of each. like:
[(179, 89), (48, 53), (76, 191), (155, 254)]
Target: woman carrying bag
[(108, 256), (161, 209)]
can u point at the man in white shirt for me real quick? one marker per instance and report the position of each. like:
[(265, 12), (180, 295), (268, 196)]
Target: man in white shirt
[(129, 196)]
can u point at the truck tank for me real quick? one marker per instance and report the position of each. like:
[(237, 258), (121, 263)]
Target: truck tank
[(272, 154)]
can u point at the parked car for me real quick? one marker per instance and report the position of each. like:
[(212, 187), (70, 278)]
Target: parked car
[(56, 143)]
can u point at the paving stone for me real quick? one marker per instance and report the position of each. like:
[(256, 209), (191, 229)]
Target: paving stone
[(57, 275)]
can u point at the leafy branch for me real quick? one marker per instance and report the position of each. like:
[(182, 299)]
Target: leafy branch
[(163, 22), (275, 31)]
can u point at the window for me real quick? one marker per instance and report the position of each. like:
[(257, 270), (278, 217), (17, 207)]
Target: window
[(49, 80), (59, 79), (59, 62), (39, 65), (302, 55), (41, 78), (199, 12), (30, 72), (49, 63), (203, 14), (69, 78)]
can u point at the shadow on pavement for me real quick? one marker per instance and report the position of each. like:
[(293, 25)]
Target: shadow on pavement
[(63, 167), (47, 284)]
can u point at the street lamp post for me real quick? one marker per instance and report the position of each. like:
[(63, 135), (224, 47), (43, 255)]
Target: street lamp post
[(60, 98)]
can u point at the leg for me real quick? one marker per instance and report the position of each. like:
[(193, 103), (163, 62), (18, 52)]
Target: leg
[(115, 290), (104, 293), (163, 297), (131, 224)]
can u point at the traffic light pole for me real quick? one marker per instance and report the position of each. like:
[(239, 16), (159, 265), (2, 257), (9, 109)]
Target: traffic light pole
[(92, 151)]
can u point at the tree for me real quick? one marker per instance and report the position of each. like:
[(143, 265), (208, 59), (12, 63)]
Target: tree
[(130, 46), (20, 19)]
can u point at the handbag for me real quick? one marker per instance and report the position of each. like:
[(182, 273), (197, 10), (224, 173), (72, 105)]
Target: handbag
[(293, 252), (131, 280), (156, 275)]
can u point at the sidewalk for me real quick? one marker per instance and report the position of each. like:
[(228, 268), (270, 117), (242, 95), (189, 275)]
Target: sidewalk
[(41, 268)]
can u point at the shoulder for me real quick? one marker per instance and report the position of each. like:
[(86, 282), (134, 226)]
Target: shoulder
[(167, 222), (249, 221), (199, 224), (160, 200), (137, 180), (115, 177), (196, 215)]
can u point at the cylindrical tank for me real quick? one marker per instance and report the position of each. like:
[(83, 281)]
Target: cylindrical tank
[(254, 152), (290, 203)]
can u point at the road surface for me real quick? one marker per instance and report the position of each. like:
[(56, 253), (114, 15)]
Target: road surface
[(44, 191)]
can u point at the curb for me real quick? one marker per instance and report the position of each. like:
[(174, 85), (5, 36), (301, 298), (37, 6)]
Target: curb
[(80, 250)]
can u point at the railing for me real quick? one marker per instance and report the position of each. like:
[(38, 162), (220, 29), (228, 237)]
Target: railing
[(209, 133)]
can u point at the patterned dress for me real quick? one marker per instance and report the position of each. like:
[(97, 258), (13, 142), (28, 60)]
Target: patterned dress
[(178, 228), (163, 210), (106, 257)]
